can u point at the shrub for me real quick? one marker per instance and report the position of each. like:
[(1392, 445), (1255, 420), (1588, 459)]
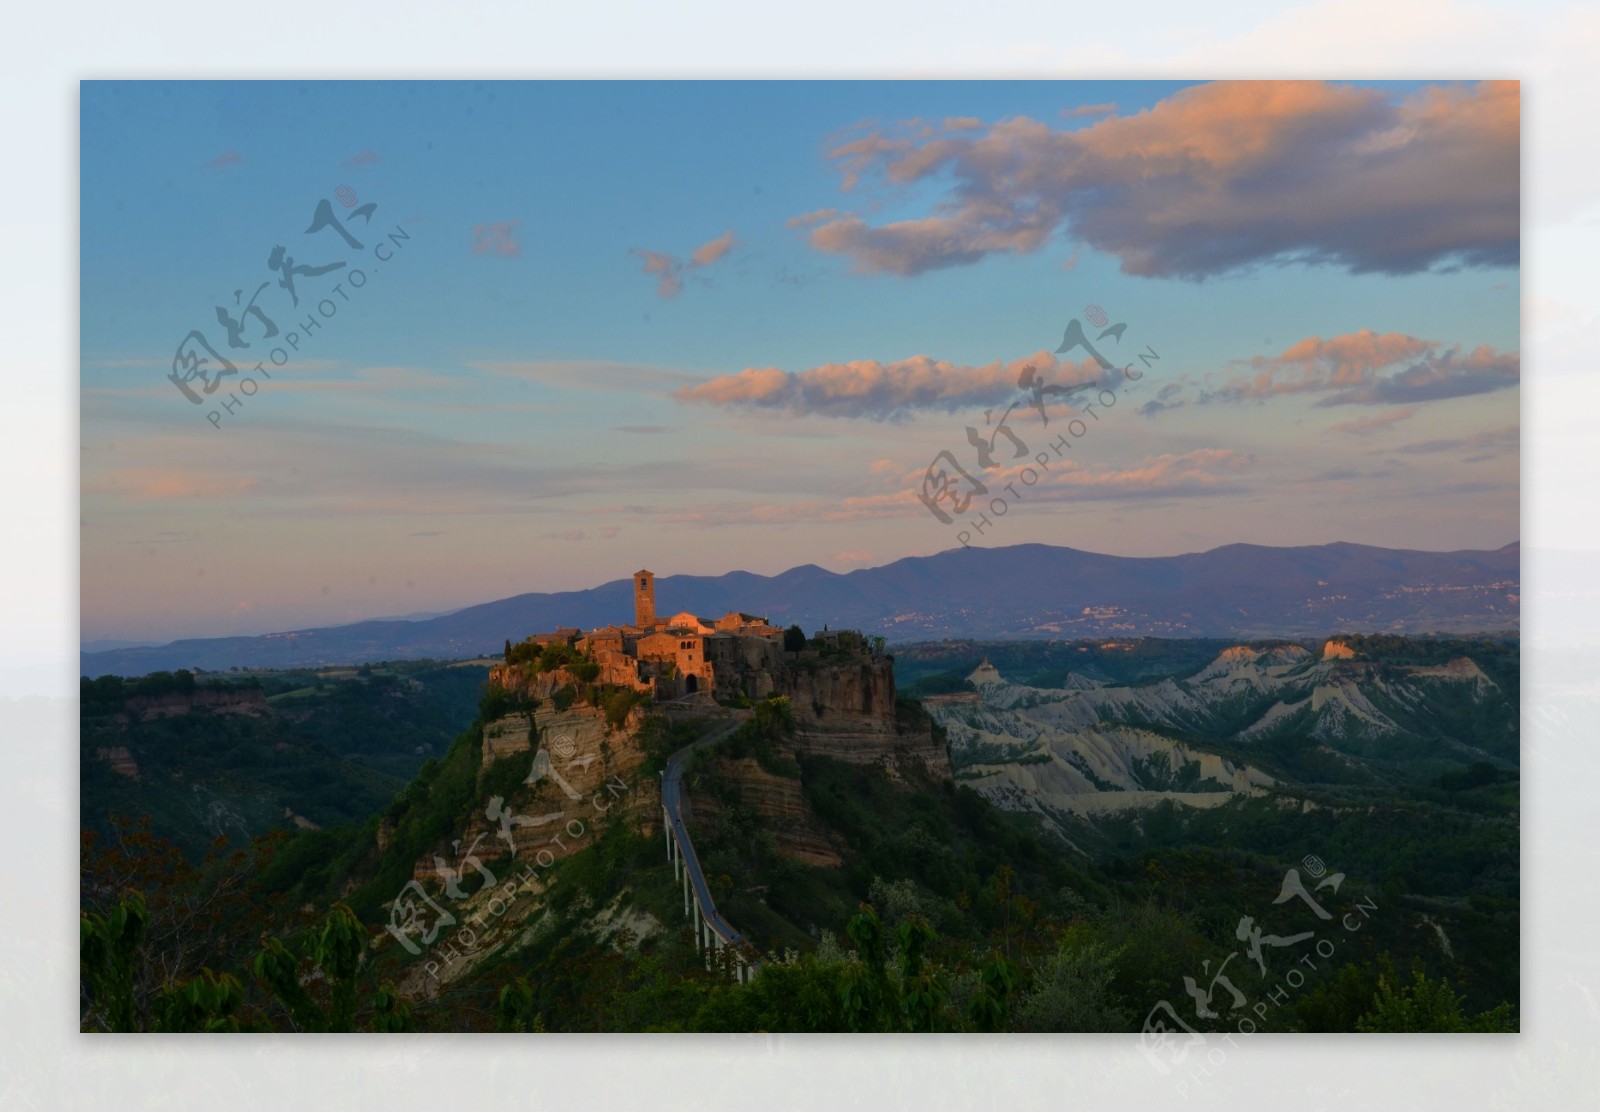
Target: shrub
[(619, 703)]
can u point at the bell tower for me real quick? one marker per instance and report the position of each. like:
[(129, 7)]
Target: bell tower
[(644, 599)]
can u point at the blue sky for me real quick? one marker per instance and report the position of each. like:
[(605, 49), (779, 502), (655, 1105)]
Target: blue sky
[(1328, 273)]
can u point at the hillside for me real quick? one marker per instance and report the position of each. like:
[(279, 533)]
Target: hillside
[(893, 873), (1257, 719), (242, 756), (1020, 591)]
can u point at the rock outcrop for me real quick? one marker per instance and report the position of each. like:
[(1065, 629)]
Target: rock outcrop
[(243, 701), (579, 774), (843, 697)]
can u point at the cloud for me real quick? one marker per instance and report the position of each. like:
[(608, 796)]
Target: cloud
[(644, 429), (665, 268), (712, 250), (669, 270), (602, 533), (1107, 109), (230, 157), (1200, 472), (1166, 399), (145, 484), (1355, 369), (881, 391), (815, 216), (1211, 180), (497, 238), (1366, 426), (1447, 375), (362, 158), (1506, 436)]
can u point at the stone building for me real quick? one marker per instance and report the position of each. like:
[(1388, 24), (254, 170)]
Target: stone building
[(677, 656)]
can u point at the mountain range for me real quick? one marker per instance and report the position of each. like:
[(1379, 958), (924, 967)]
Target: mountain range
[(1018, 591)]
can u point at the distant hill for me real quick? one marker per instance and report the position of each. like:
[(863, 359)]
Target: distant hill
[(1020, 591)]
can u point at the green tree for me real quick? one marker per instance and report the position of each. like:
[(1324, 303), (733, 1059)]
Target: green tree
[(517, 1009), (335, 957), (1429, 1006), (108, 951), (390, 1011), (207, 1002), (990, 1007), (1071, 992)]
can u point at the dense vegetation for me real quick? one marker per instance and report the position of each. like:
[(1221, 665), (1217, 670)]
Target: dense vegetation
[(944, 914), (332, 747)]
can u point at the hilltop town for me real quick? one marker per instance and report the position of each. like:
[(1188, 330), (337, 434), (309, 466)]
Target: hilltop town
[(840, 683), (673, 658)]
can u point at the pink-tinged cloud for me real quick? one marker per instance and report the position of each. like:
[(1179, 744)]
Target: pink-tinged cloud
[(1358, 368), (167, 484), (1107, 109), (891, 391), (1213, 179), (1200, 472), (1203, 473), (1367, 426), (363, 158), (497, 238), (666, 269), (1449, 374), (815, 216), (669, 271), (712, 250), (230, 157)]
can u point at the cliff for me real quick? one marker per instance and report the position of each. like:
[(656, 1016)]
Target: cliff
[(843, 695), (563, 757), (245, 701)]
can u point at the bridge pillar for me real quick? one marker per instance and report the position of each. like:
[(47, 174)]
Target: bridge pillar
[(686, 892), (666, 823)]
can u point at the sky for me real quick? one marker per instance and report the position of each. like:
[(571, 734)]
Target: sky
[(541, 335)]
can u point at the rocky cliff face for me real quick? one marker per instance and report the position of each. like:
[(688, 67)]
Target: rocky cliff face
[(844, 703), (549, 782), (580, 774), (246, 701)]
